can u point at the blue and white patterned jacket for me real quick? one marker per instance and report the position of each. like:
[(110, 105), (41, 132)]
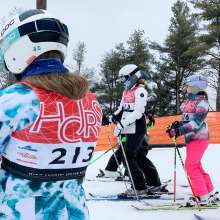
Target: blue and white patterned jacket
[(19, 107)]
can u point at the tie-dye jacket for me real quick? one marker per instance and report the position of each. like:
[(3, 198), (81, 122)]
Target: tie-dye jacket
[(194, 111), (19, 107)]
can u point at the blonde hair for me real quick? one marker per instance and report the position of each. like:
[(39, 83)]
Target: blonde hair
[(71, 85)]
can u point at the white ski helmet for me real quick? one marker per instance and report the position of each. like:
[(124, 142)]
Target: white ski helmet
[(197, 81), (130, 74), (27, 36)]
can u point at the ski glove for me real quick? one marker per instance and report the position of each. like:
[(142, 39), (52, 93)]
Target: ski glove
[(151, 122), (105, 120), (113, 119), (174, 130), (118, 128)]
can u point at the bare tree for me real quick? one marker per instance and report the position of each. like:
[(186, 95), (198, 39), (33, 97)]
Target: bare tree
[(79, 54)]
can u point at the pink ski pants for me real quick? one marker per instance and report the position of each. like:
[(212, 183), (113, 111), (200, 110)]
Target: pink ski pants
[(200, 180)]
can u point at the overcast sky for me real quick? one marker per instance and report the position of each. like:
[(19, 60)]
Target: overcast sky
[(103, 23)]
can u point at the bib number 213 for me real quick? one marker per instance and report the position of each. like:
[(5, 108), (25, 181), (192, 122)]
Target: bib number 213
[(60, 159)]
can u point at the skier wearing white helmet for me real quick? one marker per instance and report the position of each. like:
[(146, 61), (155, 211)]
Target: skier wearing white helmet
[(131, 122), (194, 127), (47, 137)]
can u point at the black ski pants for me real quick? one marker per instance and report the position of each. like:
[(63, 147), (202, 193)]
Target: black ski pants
[(136, 155)]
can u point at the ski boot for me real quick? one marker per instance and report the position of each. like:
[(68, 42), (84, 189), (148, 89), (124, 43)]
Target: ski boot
[(157, 189), (108, 174), (131, 192)]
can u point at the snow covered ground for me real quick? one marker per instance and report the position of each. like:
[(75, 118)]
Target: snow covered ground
[(164, 160)]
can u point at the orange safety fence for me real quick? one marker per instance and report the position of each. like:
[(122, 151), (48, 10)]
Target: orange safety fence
[(106, 138), (158, 134)]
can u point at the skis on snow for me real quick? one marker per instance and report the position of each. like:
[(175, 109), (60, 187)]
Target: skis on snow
[(109, 179), (171, 207), (119, 197), (122, 197), (105, 179)]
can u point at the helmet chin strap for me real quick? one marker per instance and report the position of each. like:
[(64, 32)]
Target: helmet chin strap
[(134, 71)]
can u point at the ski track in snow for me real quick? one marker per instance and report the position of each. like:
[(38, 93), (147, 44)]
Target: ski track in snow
[(163, 159)]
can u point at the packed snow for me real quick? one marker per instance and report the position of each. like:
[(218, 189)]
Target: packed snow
[(164, 161)]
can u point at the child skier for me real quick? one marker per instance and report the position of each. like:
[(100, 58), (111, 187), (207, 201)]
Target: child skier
[(47, 135), (150, 172), (194, 127), (133, 123)]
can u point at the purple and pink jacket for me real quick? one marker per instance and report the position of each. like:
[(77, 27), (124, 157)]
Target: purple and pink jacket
[(194, 111)]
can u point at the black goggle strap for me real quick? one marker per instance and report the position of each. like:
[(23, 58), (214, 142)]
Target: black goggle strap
[(134, 71)]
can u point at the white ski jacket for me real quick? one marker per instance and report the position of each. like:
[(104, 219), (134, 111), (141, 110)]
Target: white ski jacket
[(132, 107)]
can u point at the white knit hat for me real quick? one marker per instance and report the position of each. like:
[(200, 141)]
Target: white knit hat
[(197, 81)]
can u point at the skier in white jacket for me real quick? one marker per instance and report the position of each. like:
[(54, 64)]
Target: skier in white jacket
[(130, 117)]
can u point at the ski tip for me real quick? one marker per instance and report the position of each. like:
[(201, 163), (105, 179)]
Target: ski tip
[(198, 217), (135, 207), (90, 194)]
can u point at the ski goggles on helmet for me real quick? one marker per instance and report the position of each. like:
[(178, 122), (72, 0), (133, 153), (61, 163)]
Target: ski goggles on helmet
[(45, 30), (123, 79)]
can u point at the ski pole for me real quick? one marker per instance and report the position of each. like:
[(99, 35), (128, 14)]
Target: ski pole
[(101, 155), (174, 178), (116, 159), (128, 167), (129, 173), (187, 176)]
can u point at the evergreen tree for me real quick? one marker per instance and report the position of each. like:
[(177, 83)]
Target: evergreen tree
[(160, 98), (209, 11), (109, 91), (138, 51), (179, 57)]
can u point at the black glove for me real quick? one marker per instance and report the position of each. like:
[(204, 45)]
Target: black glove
[(174, 129), (113, 119), (151, 119), (175, 124), (105, 120)]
